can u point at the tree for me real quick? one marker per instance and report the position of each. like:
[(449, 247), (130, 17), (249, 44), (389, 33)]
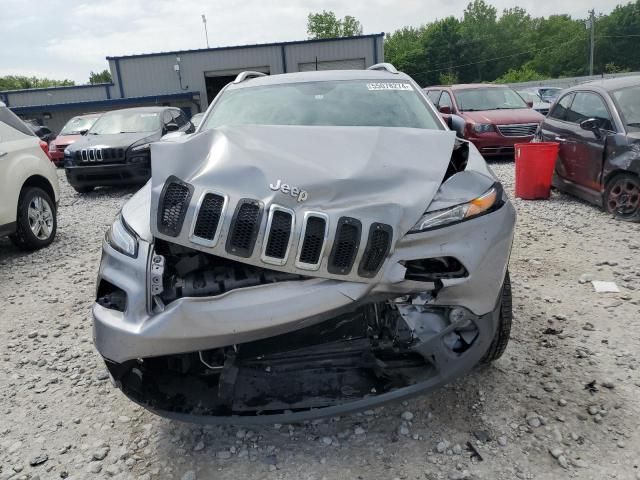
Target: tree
[(100, 77), (19, 82), (523, 74), (327, 25)]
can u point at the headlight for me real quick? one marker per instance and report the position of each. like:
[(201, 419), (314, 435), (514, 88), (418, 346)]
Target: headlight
[(483, 127), (141, 148), (122, 238), (483, 204)]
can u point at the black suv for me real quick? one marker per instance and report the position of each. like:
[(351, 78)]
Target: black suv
[(115, 151)]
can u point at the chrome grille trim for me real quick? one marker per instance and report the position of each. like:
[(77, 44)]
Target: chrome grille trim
[(518, 129), (307, 215), (203, 241), (267, 233)]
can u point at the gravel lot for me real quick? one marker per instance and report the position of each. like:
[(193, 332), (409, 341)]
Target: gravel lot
[(561, 403)]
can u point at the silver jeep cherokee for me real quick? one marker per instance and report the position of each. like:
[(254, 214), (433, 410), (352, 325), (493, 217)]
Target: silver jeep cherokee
[(322, 244)]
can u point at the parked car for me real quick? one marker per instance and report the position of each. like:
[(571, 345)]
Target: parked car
[(548, 94), (43, 132), (29, 190), (598, 127), (496, 116), (196, 119), (72, 131), (305, 253), (532, 98), (115, 150)]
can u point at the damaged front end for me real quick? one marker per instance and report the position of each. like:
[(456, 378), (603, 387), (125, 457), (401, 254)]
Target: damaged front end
[(245, 303)]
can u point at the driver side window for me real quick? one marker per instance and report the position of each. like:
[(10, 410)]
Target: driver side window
[(590, 105), (445, 101)]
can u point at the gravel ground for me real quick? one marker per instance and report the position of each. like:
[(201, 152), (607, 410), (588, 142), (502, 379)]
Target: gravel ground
[(561, 403)]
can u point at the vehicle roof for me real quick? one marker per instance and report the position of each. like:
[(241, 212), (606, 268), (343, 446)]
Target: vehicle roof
[(321, 76), (466, 86), (140, 109), (610, 84)]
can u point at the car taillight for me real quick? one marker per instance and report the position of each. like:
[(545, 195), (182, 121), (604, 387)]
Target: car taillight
[(45, 148)]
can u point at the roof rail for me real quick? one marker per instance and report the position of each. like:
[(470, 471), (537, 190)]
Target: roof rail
[(384, 66), (242, 76)]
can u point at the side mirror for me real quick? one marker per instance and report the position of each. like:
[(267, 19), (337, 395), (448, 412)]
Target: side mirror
[(446, 109), (529, 103), (591, 125), (456, 123), (84, 132), (171, 127)]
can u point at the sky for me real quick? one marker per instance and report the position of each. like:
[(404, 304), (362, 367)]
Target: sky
[(70, 38)]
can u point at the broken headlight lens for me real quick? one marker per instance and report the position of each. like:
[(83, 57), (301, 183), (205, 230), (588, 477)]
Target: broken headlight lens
[(121, 237), (486, 202)]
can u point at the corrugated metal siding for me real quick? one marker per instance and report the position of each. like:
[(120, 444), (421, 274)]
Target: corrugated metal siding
[(48, 96), (330, 52)]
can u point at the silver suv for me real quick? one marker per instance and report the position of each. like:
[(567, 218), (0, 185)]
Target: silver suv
[(323, 243)]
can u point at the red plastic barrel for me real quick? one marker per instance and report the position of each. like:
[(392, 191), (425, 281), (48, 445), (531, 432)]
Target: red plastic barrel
[(534, 169)]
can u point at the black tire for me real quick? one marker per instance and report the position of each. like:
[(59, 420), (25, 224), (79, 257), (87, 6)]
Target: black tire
[(622, 197), (85, 189), (501, 338), (24, 237)]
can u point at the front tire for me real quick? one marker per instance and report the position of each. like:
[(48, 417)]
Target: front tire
[(622, 197), (503, 333), (36, 221)]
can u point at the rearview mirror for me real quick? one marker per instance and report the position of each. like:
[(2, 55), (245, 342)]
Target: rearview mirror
[(591, 125), (171, 127), (446, 109), (529, 103), (84, 132)]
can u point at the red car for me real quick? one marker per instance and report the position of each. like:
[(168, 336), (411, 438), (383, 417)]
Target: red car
[(495, 116), (72, 131)]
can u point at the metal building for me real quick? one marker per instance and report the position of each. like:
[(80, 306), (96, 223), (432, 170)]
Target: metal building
[(189, 79)]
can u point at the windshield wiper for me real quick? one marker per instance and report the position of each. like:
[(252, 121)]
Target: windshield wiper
[(633, 124)]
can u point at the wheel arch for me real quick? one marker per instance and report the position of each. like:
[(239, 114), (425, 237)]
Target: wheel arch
[(40, 182)]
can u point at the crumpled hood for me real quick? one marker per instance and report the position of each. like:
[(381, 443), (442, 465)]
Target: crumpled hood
[(373, 174)]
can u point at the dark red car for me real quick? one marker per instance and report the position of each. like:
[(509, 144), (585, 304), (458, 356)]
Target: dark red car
[(72, 131), (495, 116)]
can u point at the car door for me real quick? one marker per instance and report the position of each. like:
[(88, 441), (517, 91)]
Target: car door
[(446, 101), (556, 127), (587, 147)]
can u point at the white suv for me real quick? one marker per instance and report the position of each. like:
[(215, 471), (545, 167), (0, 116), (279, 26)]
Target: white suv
[(29, 189)]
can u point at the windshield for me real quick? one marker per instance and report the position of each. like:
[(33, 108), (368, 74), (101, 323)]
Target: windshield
[(329, 103), (125, 122), (628, 100), (474, 99), (77, 125)]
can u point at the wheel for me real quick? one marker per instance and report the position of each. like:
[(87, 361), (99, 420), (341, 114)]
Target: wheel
[(622, 197), (501, 338), (36, 220), (85, 189)]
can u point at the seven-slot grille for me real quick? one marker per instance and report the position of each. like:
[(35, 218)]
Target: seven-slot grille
[(208, 218), (518, 130), (100, 154), (377, 249), (244, 228), (174, 201), (245, 225), (345, 246)]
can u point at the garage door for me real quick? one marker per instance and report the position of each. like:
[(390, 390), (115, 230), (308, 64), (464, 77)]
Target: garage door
[(351, 64)]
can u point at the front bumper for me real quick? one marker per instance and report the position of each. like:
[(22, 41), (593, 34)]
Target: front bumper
[(493, 144), (108, 175), (482, 245)]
